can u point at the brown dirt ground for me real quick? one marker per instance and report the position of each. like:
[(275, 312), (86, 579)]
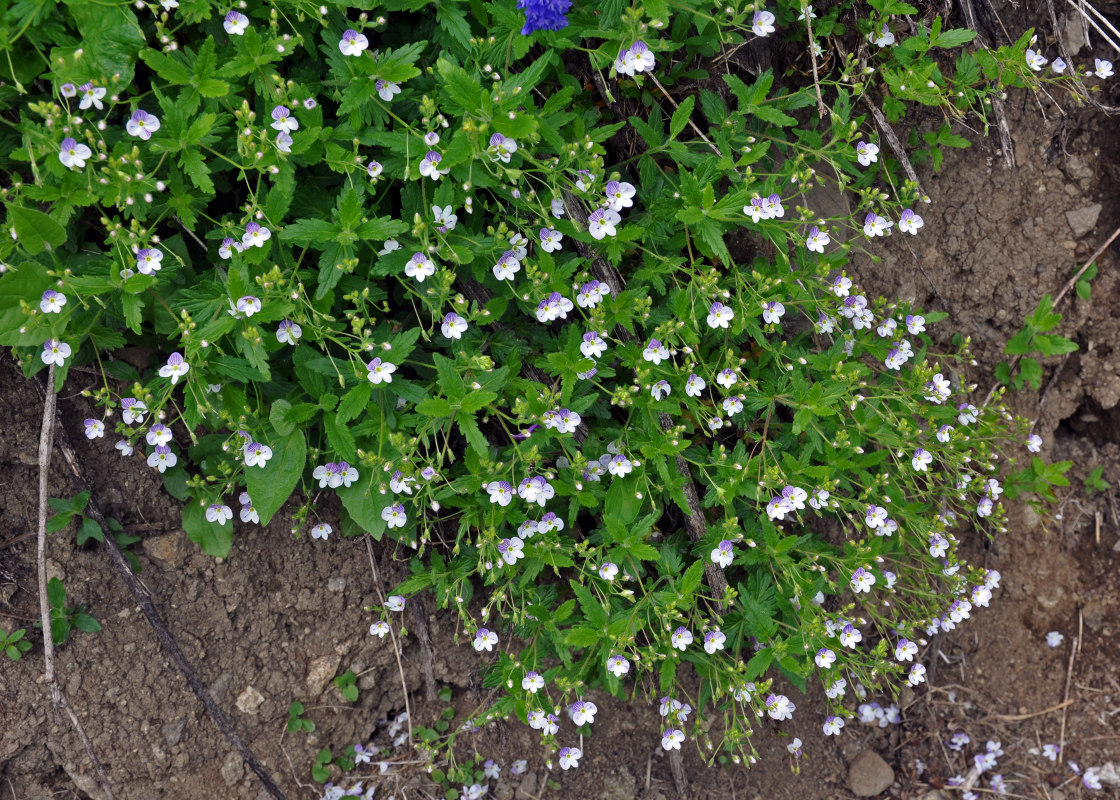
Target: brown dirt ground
[(282, 608)]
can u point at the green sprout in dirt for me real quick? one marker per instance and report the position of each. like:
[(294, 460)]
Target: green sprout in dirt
[(551, 301)]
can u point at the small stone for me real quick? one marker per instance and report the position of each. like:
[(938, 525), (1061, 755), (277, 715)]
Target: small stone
[(320, 671), (249, 701), (1093, 614), (173, 731), (233, 769), (869, 774), (169, 551), (527, 789), (219, 687), (337, 584), (1083, 220), (619, 785)]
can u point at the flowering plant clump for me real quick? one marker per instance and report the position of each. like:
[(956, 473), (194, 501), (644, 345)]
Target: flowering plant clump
[(587, 349)]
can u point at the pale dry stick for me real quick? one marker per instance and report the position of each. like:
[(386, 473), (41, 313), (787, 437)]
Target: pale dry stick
[(58, 697), (998, 109), (143, 597), (821, 111), (393, 636), (1061, 295), (676, 766), (1021, 717), (1098, 28), (695, 522), (900, 152), (691, 124), (1069, 678)]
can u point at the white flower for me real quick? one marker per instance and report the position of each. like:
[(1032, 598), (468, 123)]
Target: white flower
[(73, 154), (763, 23), (386, 89), (420, 267), (219, 513), (713, 641), (720, 315), (257, 454), (867, 152), (379, 629), (1103, 68), (236, 23), (484, 639), (288, 332), (532, 682), (671, 739), (321, 531), (175, 368), (550, 239), (353, 43), (394, 602), (380, 371), (602, 222), (681, 638), (95, 428), (618, 666), (394, 516), (569, 757)]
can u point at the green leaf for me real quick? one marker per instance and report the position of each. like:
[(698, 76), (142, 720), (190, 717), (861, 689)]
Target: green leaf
[(84, 622), (477, 441), (214, 539), (271, 485), (681, 116), (434, 407), (56, 593), (477, 400), (89, 530), (354, 402), (954, 37), (365, 506), (36, 231)]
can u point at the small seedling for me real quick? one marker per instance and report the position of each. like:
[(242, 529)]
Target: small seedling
[(1095, 483), (347, 684), (13, 644), (296, 720), (65, 618)]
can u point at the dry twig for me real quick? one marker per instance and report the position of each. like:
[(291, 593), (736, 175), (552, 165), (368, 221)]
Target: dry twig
[(58, 697), (892, 139), (143, 598), (1069, 679), (392, 634)]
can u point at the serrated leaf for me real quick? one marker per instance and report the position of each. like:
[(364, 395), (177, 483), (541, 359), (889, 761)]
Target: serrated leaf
[(88, 530), (477, 400), (477, 441), (434, 407), (681, 116), (354, 402), (35, 230), (271, 485)]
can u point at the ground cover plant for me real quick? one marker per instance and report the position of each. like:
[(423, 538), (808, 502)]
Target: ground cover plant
[(543, 295)]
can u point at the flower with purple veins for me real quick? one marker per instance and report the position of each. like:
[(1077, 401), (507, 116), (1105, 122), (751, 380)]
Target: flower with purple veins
[(874, 225), (284, 142), (655, 352), (916, 675), (850, 636), (909, 222), (772, 312), (94, 428), (681, 638), (321, 531), (985, 507), (52, 302), (235, 23), (1102, 68), (569, 756), (661, 389), (484, 639), (68, 90), (283, 121), (618, 665), (429, 165), (500, 492), (713, 641), (219, 513), (867, 152), (501, 148), (288, 332), (175, 368), (550, 239), (876, 516), (672, 739), (817, 240), (257, 454), (228, 246), (394, 516), (1058, 65), (91, 96), (862, 580), (73, 154), (719, 315), (511, 550), (602, 222), (142, 124), (779, 707), (148, 260), (379, 629), (762, 24), (582, 712), (1035, 61), (608, 571), (1034, 443), (255, 235), (905, 650), (453, 326), (124, 447), (694, 385), (921, 460), (352, 43), (724, 554), (420, 266), (386, 90), (379, 371), (248, 305), (619, 195), (832, 726)]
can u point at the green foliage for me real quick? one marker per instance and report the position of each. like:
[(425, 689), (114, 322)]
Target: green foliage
[(1095, 483), (1034, 338), (347, 684), (13, 644), (338, 299), (296, 721), (66, 618)]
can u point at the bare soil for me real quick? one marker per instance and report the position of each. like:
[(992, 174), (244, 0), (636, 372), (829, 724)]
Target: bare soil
[(284, 615)]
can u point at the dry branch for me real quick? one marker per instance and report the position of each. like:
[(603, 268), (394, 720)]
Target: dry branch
[(143, 598), (58, 697)]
